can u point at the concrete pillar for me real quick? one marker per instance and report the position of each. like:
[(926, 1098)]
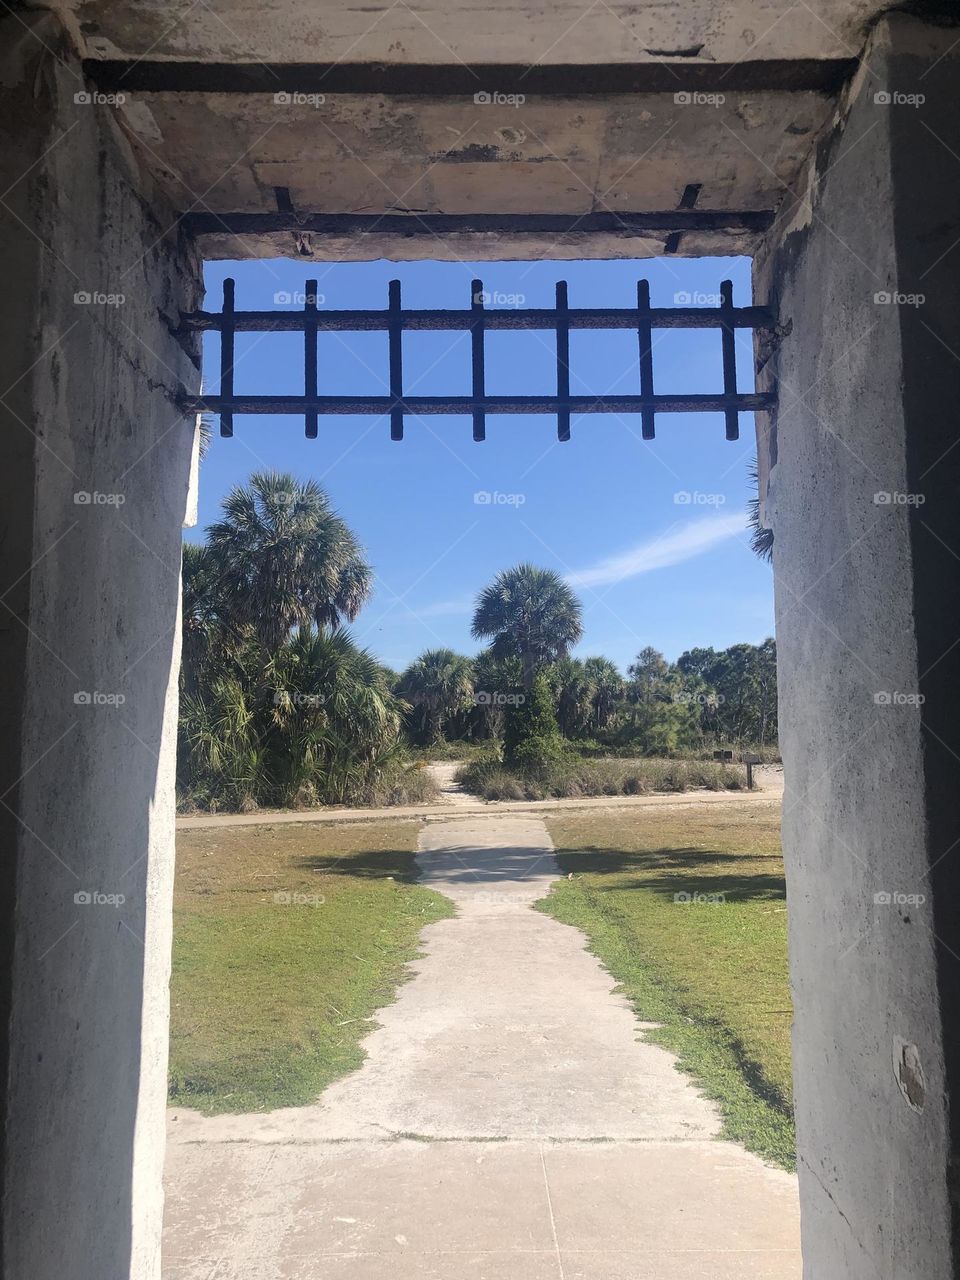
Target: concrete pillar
[(94, 481), (864, 499)]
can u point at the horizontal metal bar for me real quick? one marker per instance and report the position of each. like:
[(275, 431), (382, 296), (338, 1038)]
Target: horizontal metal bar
[(434, 405), (666, 72), (525, 318), (704, 221)]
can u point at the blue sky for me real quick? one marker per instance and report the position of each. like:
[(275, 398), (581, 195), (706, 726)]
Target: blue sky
[(607, 509)]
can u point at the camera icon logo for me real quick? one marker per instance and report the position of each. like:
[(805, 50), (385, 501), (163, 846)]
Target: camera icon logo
[(82, 699), (682, 99), (882, 98), (81, 498), (482, 98), (83, 897), (282, 98), (82, 298), (82, 98)]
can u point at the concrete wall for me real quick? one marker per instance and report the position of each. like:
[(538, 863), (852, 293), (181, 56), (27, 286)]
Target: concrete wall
[(864, 477), (89, 610)]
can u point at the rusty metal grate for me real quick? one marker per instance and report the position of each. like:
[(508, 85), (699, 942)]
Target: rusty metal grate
[(478, 320)]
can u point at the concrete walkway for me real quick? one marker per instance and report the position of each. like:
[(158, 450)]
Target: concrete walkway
[(507, 1124)]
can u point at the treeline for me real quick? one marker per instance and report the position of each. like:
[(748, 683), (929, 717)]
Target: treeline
[(279, 706), (707, 699)]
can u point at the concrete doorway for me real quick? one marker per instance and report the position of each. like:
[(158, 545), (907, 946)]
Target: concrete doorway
[(857, 181)]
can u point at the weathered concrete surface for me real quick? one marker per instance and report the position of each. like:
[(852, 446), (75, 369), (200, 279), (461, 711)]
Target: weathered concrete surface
[(368, 152), (548, 1140), (863, 502), (94, 485), (374, 155), (470, 30)]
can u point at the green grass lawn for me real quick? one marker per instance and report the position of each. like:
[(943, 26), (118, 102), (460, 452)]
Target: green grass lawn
[(712, 973), (286, 940)]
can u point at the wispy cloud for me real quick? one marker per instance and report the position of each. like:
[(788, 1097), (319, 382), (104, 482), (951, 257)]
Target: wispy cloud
[(676, 544)]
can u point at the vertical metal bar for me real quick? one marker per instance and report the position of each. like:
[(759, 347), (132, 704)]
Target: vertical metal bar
[(396, 362), (563, 363), (310, 356), (476, 344), (729, 348), (227, 355), (645, 339)]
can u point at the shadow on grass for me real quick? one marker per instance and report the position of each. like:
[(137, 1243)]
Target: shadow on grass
[(400, 864), (652, 870)]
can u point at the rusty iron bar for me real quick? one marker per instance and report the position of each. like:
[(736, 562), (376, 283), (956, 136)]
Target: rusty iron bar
[(362, 321), (563, 364), (396, 362), (436, 405), (310, 356), (476, 355), (645, 338), (728, 339)]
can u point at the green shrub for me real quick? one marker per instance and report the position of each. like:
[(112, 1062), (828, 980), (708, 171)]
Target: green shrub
[(571, 776)]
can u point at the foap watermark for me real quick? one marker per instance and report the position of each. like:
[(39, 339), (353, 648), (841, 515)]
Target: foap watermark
[(292, 98), (699, 899), (297, 699), (94, 98), (94, 898), (495, 99), (494, 498), (498, 298), (694, 498), (886, 899), (895, 698), (293, 898), (892, 498), (84, 698), (494, 698), (896, 98), (697, 298), (97, 298), (297, 298), (893, 298), (94, 498), (688, 698), (693, 98)]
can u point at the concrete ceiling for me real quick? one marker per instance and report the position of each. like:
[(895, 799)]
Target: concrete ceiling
[(440, 31), (382, 132)]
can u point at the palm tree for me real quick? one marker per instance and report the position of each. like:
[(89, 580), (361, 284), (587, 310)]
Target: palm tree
[(285, 559), (335, 721), (204, 640), (573, 691), (761, 538), (440, 685), (607, 688), (531, 614)]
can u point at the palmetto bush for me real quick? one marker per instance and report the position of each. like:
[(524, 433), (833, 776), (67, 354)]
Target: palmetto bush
[(279, 706)]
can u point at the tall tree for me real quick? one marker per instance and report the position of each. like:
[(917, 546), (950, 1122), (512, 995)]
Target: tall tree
[(439, 685), (285, 559), (531, 614)]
